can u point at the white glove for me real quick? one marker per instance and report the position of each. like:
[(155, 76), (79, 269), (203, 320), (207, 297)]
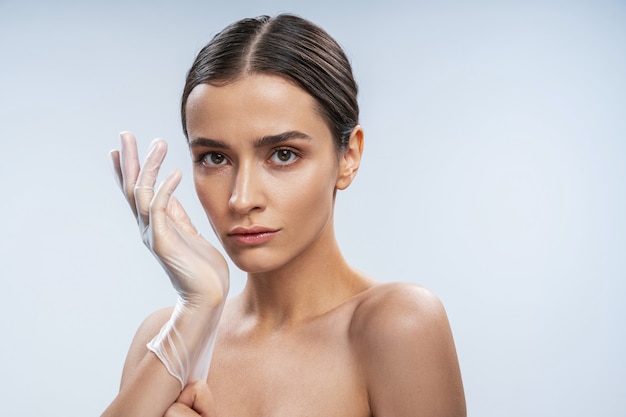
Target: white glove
[(198, 272)]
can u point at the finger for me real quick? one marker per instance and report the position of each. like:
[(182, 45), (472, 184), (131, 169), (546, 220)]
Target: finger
[(177, 213), (180, 410), (161, 200), (114, 163), (197, 396), (144, 187), (129, 167), (173, 208)]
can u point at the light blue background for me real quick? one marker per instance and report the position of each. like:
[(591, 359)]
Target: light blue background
[(494, 175)]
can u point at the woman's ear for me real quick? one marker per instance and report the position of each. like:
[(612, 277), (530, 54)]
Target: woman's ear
[(350, 159)]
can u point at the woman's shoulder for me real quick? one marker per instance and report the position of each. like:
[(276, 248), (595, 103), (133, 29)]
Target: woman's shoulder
[(149, 328), (396, 301), (152, 325), (402, 338), (396, 311)]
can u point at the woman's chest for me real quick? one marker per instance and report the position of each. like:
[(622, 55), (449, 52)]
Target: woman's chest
[(313, 373)]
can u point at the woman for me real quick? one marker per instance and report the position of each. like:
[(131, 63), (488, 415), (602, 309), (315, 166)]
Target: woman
[(270, 113)]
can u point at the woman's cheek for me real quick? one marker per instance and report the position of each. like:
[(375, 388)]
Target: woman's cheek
[(212, 197)]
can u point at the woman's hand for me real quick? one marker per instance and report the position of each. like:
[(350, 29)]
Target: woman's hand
[(194, 401), (198, 272)]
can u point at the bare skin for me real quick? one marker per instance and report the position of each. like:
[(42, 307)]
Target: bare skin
[(309, 335)]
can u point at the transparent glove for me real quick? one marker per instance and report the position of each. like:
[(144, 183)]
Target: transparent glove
[(198, 272), (186, 351)]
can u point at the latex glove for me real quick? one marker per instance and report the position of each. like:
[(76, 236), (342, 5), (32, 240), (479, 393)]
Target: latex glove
[(198, 272)]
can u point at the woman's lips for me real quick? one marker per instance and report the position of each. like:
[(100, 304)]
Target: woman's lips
[(252, 235)]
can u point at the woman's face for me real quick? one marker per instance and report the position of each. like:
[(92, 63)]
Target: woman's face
[(265, 168)]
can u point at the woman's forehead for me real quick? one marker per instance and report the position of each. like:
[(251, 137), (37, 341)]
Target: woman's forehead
[(252, 106)]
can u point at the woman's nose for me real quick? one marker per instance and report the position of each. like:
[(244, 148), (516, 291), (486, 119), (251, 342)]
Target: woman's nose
[(247, 195)]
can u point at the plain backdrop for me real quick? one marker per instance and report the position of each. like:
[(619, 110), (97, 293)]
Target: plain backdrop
[(494, 174)]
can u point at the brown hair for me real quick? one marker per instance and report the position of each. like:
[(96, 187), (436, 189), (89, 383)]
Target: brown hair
[(289, 46)]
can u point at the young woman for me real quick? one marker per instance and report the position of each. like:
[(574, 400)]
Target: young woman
[(271, 117)]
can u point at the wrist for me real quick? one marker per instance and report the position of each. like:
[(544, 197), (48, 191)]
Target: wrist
[(185, 343)]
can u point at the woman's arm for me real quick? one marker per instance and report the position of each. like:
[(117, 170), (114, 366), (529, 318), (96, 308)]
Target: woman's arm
[(181, 340), (147, 389), (411, 366)]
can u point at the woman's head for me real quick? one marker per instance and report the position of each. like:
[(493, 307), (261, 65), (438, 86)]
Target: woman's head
[(291, 47)]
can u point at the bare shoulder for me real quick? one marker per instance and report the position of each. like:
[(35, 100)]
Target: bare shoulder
[(392, 308), (403, 339), (149, 328)]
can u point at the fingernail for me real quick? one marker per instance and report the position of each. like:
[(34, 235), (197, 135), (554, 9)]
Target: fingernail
[(152, 145), (113, 167)]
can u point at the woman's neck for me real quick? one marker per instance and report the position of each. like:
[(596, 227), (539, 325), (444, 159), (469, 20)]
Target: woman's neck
[(315, 282)]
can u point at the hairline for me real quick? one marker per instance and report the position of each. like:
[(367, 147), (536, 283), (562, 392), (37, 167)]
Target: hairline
[(248, 71)]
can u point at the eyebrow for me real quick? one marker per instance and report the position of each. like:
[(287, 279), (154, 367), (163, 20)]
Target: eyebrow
[(208, 143), (261, 142)]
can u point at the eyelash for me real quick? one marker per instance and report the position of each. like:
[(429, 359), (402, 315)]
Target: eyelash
[(202, 159), (293, 156)]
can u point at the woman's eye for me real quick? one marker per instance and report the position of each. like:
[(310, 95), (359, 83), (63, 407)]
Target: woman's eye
[(283, 156), (214, 158)]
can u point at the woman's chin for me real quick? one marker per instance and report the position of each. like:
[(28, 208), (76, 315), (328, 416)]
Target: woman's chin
[(255, 264)]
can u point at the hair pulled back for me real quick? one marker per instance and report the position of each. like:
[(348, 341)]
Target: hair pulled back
[(285, 45)]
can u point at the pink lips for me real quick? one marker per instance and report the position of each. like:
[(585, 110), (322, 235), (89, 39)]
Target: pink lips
[(255, 235)]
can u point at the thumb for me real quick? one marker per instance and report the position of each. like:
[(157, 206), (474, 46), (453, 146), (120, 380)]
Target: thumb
[(197, 396)]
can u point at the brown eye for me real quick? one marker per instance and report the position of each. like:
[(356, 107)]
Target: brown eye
[(283, 156), (214, 158)]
